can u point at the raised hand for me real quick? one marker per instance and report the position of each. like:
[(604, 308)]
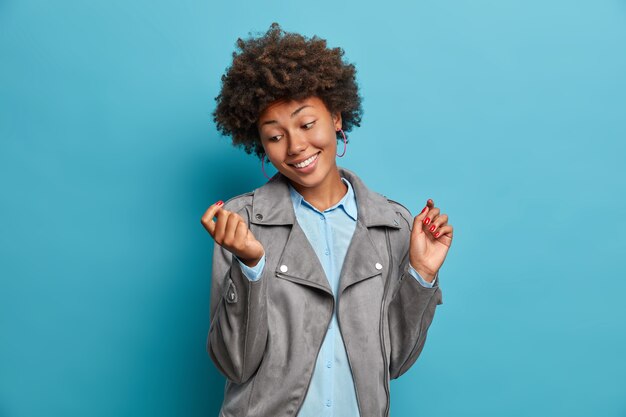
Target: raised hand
[(232, 233), (431, 238)]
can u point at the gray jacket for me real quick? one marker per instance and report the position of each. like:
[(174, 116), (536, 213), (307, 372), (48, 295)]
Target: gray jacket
[(265, 335)]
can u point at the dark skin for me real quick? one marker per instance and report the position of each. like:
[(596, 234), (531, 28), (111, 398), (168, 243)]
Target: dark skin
[(294, 131)]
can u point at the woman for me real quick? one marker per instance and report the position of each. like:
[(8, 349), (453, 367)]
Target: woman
[(322, 290)]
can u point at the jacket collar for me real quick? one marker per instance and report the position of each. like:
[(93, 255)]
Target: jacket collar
[(272, 204), (347, 202)]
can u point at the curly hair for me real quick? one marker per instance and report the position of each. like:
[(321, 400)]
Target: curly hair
[(283, 65)]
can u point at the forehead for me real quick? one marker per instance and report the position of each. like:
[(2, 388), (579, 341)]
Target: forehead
[(283, 108)]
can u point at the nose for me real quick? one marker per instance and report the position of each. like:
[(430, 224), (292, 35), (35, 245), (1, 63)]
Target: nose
[(297, 144)]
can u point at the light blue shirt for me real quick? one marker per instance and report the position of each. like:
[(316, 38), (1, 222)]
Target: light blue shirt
[(331, 392)]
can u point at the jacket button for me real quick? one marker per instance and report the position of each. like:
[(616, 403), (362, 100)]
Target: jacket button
[(379, 266), (283, 268), (231, 294), (259, 216)]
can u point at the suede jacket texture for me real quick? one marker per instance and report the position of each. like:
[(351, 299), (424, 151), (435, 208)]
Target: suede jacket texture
[(265, 335)]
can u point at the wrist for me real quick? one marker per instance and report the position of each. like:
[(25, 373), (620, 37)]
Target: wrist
[(427, 275), (251, 263)]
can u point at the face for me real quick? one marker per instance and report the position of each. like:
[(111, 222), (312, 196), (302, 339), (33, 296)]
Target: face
[(299, 139)]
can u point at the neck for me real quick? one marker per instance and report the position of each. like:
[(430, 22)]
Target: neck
[(326, 194)]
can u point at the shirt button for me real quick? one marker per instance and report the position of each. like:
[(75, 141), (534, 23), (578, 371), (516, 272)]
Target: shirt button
[(328, 364), (326, 252), (328, 403), (283, 268), (378, 266)]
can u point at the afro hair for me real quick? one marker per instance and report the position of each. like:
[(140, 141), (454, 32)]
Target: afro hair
[(283, 65)]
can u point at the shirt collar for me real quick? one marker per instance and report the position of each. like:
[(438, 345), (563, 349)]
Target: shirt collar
[(347, 203), (271, 204)]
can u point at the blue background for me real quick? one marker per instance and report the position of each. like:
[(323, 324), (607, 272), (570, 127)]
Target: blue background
[(509, 114)]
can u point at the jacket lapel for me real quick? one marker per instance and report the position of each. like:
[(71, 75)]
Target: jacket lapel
[(299, 262), (361, 259)]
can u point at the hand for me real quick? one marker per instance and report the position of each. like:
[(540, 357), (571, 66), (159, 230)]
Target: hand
[(232, 233), (428, 248)]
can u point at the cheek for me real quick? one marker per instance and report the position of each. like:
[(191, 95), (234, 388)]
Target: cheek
[(324, 139), (275, 151)]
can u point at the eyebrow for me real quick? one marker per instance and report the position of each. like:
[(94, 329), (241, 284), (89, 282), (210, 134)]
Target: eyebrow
[(292, 114)]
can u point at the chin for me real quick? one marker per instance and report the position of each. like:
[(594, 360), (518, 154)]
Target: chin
[(309, 181), (303, 181)]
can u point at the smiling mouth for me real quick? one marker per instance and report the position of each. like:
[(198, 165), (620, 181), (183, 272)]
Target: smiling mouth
[(306, 162)]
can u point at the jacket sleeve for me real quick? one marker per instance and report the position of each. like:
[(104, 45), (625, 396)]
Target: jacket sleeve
[(238, 316), (419, 278), (253, 273), (410, 313)]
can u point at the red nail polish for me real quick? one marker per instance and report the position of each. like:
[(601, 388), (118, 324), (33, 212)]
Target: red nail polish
[(427, 220), (432, 228), (423, 210), (437, 234), (219, 203)]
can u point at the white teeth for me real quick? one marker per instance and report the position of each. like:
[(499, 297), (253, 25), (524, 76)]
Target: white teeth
[(306, 163)]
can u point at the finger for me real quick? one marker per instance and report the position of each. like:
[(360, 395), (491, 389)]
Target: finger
[(437, 223), (432, 215), (420, 217), (418, 221), (220, 225), (231, 226), (446, 230), (207, 217), (241, 234), (442, 220)]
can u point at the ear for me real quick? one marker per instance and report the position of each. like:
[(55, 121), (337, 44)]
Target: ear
[(337, 121)]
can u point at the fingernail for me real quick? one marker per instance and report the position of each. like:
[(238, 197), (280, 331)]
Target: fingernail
[(432, 228), (437, 234), (219, 203), (427, 220), (423, 210)]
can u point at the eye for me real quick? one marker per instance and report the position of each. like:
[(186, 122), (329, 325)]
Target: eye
[(309, 125), (275, 138)]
